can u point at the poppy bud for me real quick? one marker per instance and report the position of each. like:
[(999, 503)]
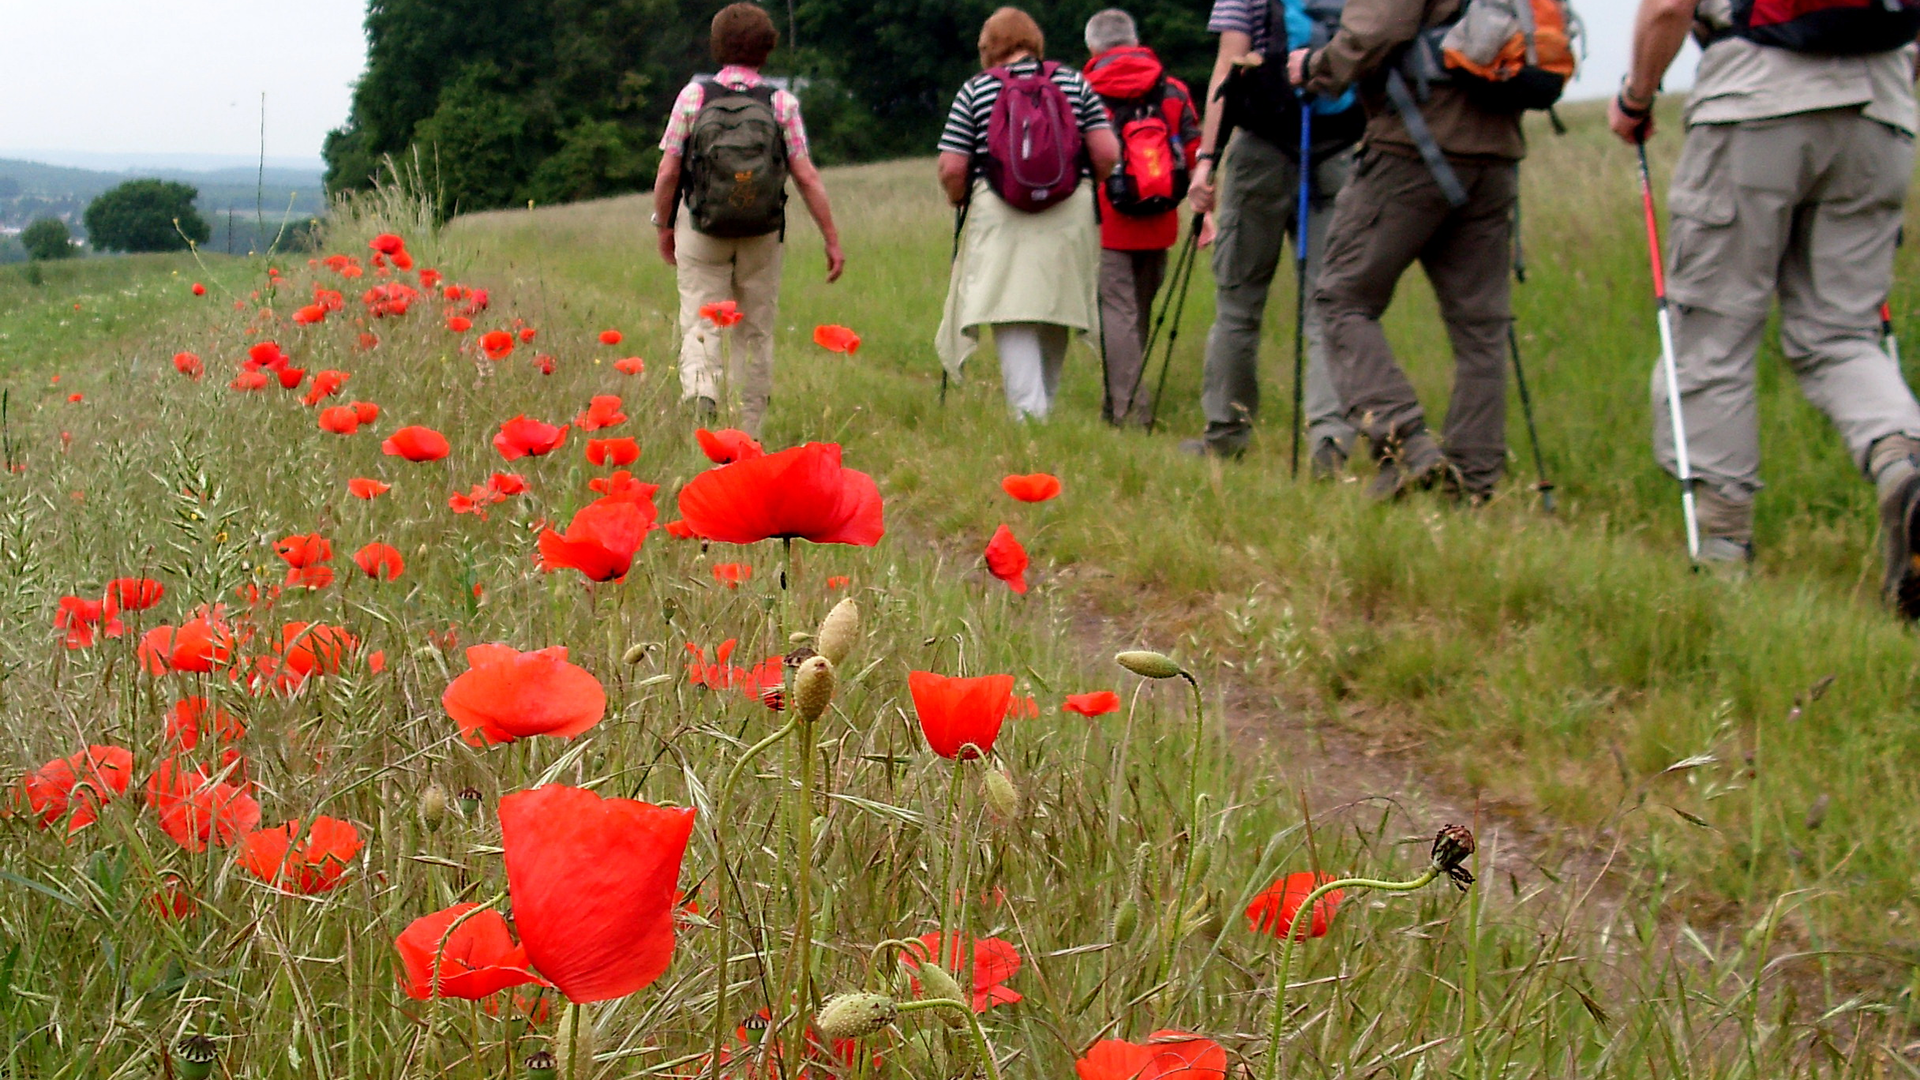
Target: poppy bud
[(469, 802), (1199, 917), (856, 1016), (839, 631), (813, 689), (634, 654), (195, 1056), (1202, 861), (1452, 845), (937, 983), (669, 608), (1151, 665), (798, 637), (541, 1066), (1126, 919), (1002, 797), (433, 806)]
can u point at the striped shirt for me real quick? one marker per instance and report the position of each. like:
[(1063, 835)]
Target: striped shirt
[(1248, 17), (686, 109), (966, 130)]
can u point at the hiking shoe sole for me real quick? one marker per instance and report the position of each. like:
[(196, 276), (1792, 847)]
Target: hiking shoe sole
[(1900, 520)]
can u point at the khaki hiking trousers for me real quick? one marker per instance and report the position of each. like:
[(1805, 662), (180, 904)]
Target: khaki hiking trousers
[(1808, 208), (746, 271)]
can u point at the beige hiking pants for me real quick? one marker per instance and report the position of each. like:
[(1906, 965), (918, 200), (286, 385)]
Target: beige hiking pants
[(747, 272), (1806, 207)]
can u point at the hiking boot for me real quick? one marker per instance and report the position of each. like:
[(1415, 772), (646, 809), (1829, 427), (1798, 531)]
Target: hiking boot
[(705, 409), (1328, 461), (1725, 558), (1412, 465), (1202, 448), (1897, 475)]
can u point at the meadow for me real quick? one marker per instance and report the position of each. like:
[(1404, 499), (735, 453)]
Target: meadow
[(1694, 798)]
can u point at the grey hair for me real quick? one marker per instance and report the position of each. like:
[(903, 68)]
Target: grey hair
[(1110, 29)]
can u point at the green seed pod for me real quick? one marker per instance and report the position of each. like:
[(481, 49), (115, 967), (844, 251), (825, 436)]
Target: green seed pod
[(541, 1066), (194, 1056), (1002, 797), (856, 1016), (1126, 919), (433, 806), (936, 983), (839, 631), (635, 653), (1150, 665), (812, 689), (469, 802)]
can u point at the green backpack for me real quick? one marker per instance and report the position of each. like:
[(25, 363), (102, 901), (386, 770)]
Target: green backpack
[(736, 169)]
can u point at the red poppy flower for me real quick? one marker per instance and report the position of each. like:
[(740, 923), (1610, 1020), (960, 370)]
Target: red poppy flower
[(732, 574), (610, 337), (1033, 488), (430, 278), (994, 962), (74, 399), (960, 713), (680, 530), (721, 313), (602, 412), (416, 444), (362, 487), (527, 334), (291, 377), (189, 365), (838, 581), (305, 861), (266, 354), (506, 694), (303, 551), (387, 244), (496, 344), (325, 384), (459, 324), (472, 960), (620, 451), (475, 501), (307, 316), (1098, 703), (592, 882), (135, 594), (211, 813), (544, 362), (622, 485), (79, 617), (631, 365), (1023, 708), (521, 437), (250, 380), (190, 714), (379, 561), (728, 445), (1167, 1055), (366, 411), (199, 289), (339, 420), (601, 540), (803, 493), (1273, 911), (174, 900), (836, 339), (82, 783), (197, 646), (506, 483), (307, 649), (1007, 560)]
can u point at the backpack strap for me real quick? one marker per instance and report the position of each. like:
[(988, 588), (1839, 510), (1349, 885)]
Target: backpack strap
[(1423, 140)]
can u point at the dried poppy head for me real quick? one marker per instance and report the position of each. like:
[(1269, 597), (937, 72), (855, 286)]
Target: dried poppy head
[(1452, 846)]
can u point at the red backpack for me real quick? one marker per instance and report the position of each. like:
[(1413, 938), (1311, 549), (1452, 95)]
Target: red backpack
[(1033, 140), (1829, 27), (1151, 177)]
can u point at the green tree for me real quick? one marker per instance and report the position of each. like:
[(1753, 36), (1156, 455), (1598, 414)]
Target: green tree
[(139, 215), (47, 238)]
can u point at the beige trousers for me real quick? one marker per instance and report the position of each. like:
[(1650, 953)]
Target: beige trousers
[(736, 375)]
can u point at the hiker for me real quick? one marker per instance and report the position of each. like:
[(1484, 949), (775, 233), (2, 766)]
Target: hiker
[(1249, 179), (1792, 181), (1437, 181), (719, 205), (1158, 131), (1027, 259)]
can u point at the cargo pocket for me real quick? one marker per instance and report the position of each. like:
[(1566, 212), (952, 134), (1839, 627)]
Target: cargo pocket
[(1702, 207)]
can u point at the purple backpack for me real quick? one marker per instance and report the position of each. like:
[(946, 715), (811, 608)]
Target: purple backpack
[(1033, 141)]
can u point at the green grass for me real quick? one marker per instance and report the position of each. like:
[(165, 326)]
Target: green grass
[(1550, 668)]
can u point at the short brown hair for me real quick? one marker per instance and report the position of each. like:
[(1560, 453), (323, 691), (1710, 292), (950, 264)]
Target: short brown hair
[(1006, 34), (743, 35)]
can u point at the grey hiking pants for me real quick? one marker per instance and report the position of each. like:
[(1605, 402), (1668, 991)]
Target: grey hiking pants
[(1392, 214), (1128, 282), (1259, 189), (1808, 207)]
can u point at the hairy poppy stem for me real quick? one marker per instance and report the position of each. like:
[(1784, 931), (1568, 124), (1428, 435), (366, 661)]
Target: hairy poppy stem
[(802, 952), (973, 1025), (1305, 910), (573, 1041), (723, 978), (953, 857), (1193, 829)]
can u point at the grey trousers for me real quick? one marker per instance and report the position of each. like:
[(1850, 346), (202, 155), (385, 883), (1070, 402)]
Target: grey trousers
[(1807, 207), (1259, 189), (1390, 216), (1129, 281)]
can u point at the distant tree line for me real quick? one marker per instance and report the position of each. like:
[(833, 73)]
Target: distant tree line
[(503, 101)]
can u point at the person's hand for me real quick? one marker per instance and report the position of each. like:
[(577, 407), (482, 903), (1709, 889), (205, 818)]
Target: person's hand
[(1200, 188), (836, 261), (666, 247), (1297, 67), (1632, 130), (1208, 233)]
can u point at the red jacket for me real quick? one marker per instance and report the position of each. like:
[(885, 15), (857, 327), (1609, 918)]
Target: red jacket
[(1131, 71)]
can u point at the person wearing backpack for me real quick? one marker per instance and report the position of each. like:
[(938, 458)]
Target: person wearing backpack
[(1444, 83), (1158, 129), (1024, 144), (719, 206), (1248, 181), (1792, 183)]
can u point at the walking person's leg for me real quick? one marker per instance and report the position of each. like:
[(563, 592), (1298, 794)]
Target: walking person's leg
[(1021, 369), (1149, 271), (704, 273), (1330, 437), (1054, 340), (1119, 319), (1467, 261), (756, 285), (1256, 194)]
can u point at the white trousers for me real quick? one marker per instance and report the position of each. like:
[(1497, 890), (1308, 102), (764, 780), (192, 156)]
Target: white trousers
[(1031, 356)]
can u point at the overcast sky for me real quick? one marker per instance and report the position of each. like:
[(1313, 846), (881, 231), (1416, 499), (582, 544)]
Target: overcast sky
[(136, 78)]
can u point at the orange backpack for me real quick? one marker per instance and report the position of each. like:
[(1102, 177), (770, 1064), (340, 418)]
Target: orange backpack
[(1508, 55)]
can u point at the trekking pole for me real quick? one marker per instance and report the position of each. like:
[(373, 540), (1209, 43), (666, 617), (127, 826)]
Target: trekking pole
[(1178, 300), (959, 223), (1667, 366), (1301, 226), (1544, 486)]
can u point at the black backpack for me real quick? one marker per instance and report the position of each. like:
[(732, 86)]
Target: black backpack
[(736, 163), (1827, 27), (1259, 97)]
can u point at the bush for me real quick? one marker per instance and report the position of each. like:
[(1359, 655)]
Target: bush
[(139, 215), (47, 238)]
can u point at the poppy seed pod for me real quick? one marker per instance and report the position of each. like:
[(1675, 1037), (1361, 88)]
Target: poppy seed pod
[(1150, 665), (194, 1057), (839, 631), (541, 1066), (469, 802), (856, 1016), (812, 689), (1002, 797), (937, 983), (1452, 846), (433, 806)]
